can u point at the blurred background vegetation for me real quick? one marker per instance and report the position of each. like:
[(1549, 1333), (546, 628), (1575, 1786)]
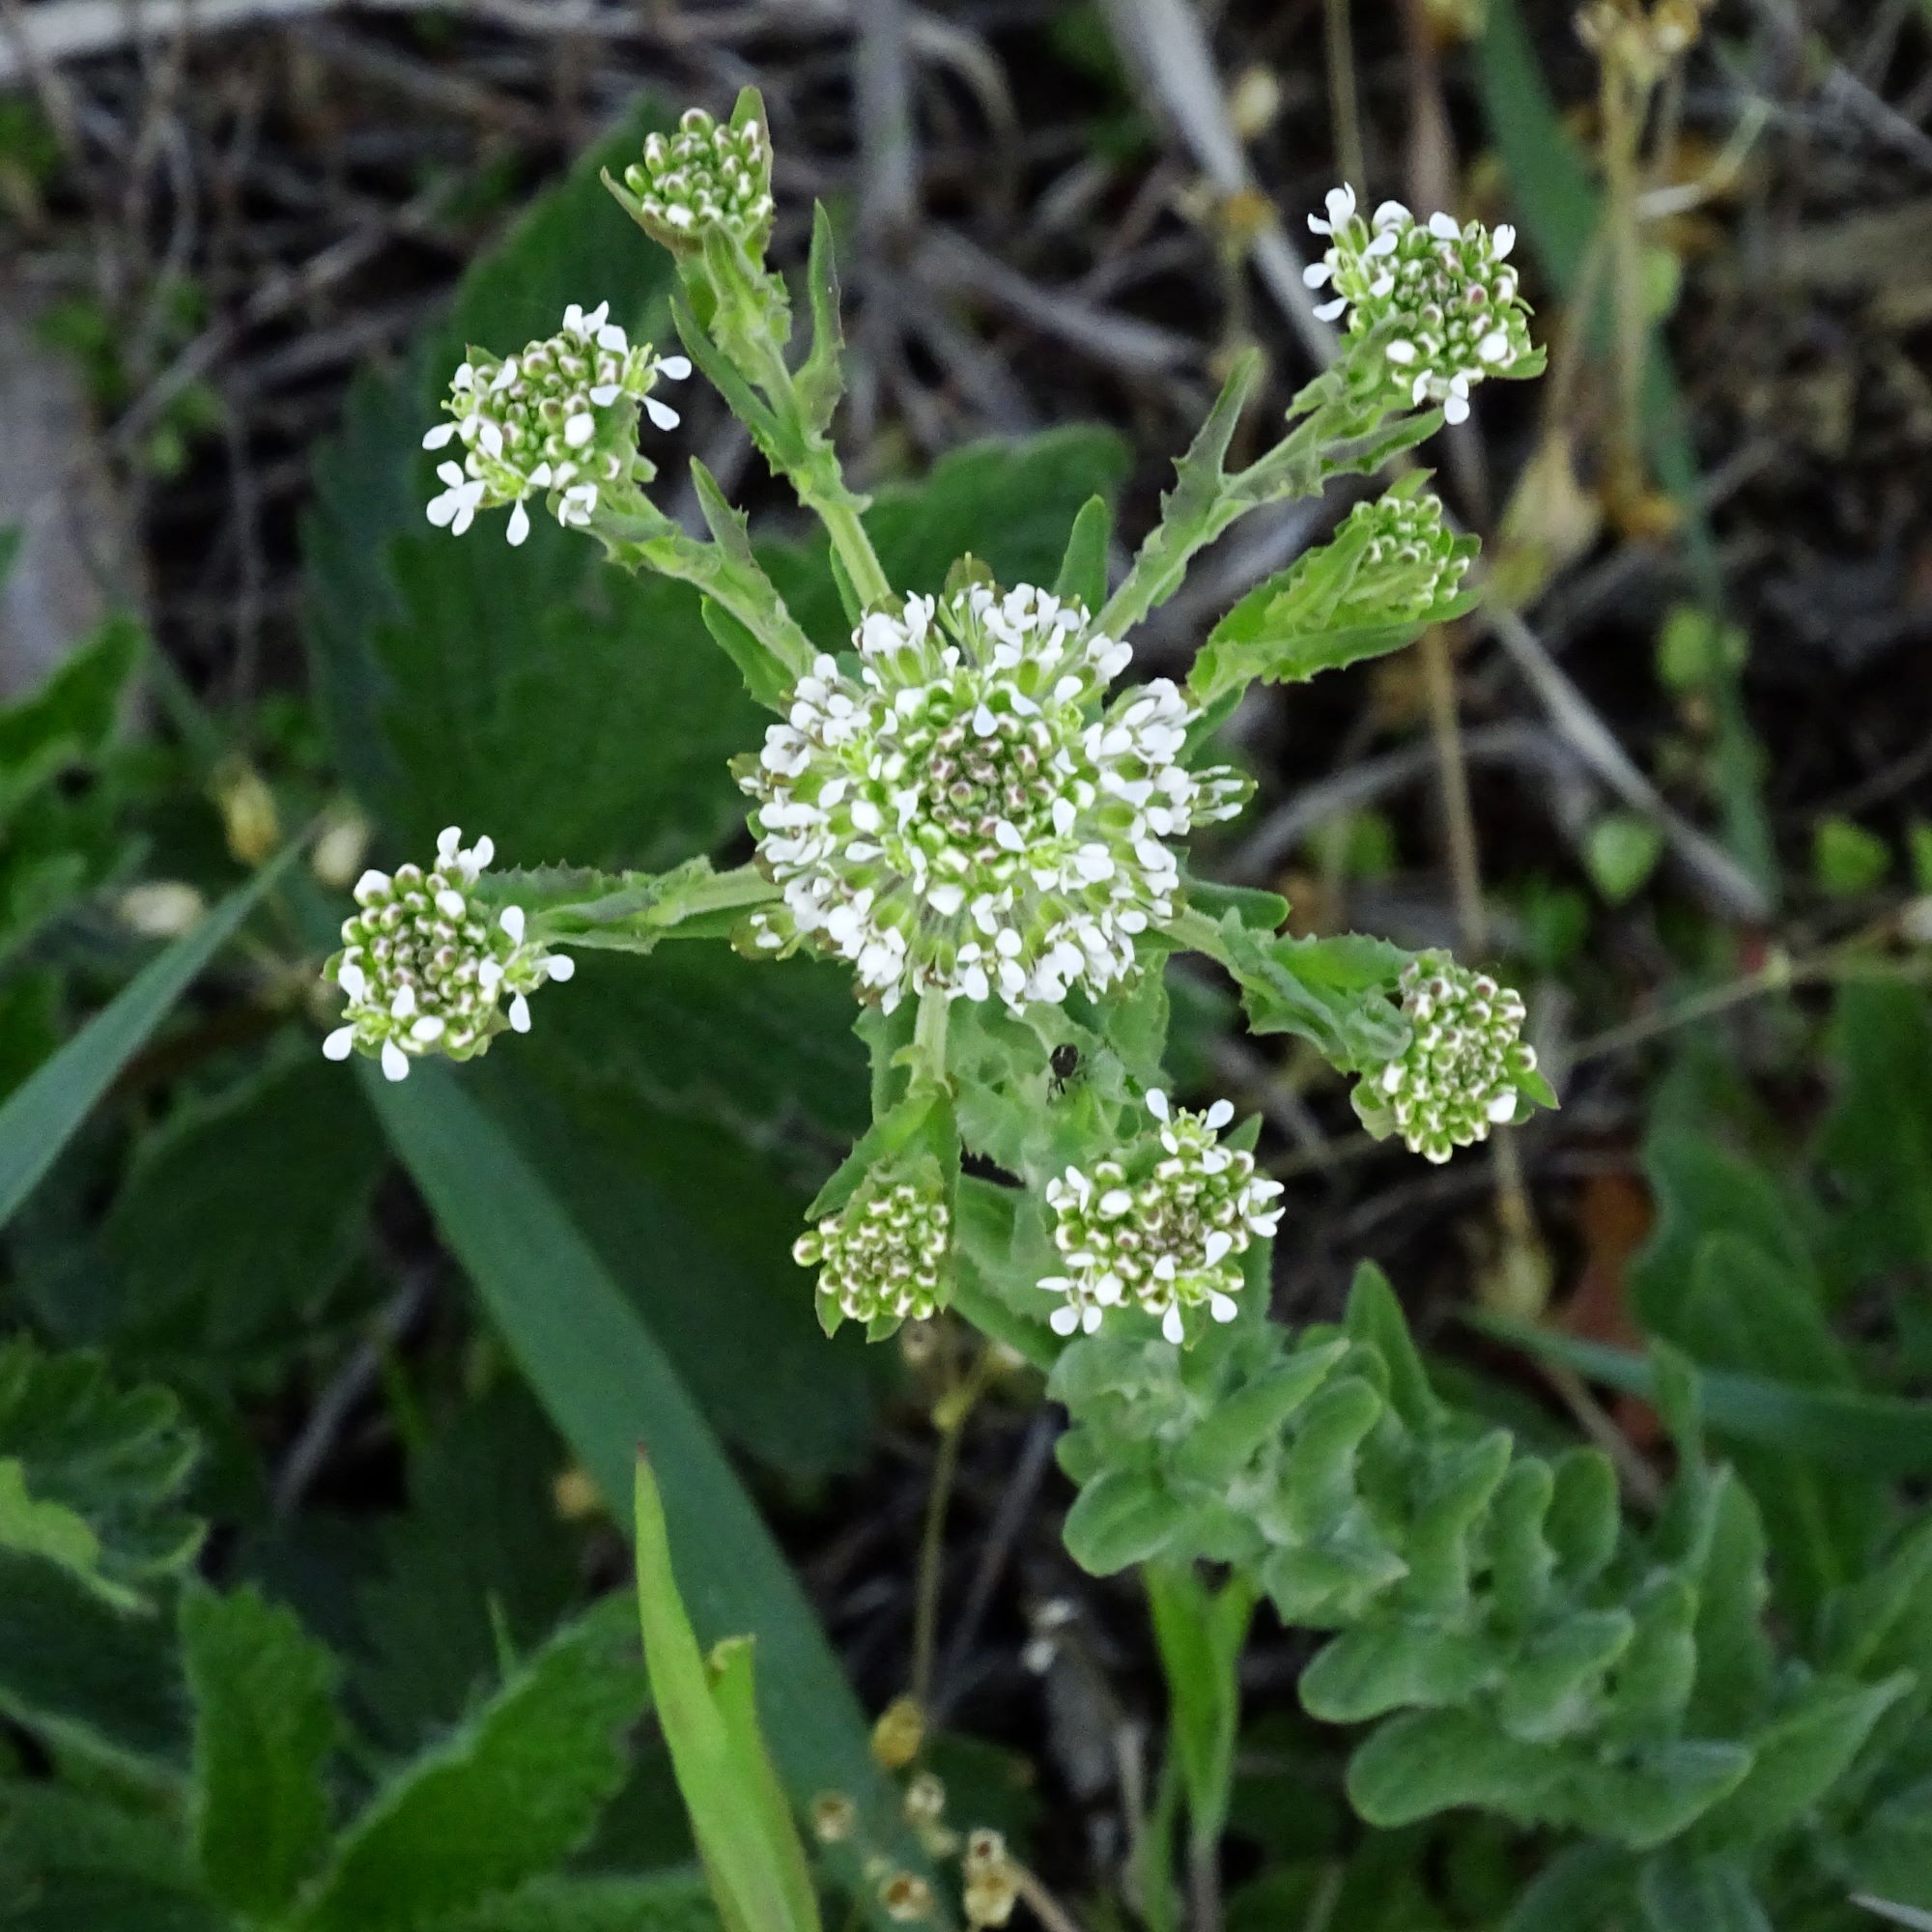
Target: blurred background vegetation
[(378, 1358)]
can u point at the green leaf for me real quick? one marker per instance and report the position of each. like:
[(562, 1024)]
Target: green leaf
[(1847, 860), (1690, 1894), (605, 1380), (241, 1218), (671, 1902), (750, 1845), (87, 1678), (506, 1798), (1319, 991), (1083, 570), (264, 1726), (43, 1115), (1892, 1852), (1010, 503), (1869, 1435), (91, 1474), (68, 720), (478, 1559), (1622, 852), (1877, 1142), (1799, 1756), (1121, 1518)]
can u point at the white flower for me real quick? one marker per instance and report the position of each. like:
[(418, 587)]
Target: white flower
[(707, 175), (1453, 306), (967, 814), (425, 964), (883, 1260), (561, 419), (1465, 1065), (1161, 1226)]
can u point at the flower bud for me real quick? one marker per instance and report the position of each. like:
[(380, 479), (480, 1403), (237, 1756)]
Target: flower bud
[(1463, 1068), (883, 1258), (706, 177)]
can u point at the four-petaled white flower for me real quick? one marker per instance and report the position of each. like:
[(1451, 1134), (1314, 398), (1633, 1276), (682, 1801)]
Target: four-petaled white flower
[(426, 965), (968, 814), (560, 419), (1161, 1226), (882, 1260), (1465, 1067), (1444, 288)]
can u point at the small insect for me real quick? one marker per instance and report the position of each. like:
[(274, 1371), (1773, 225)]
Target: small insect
[(1064, 1061)]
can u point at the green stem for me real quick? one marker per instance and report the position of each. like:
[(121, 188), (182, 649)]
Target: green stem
[(863, 569), (928, 1038)]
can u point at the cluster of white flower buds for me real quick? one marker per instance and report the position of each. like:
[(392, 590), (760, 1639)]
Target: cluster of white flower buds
[(1443, 287), (1161, 1226), (708, 175), (426, 967), (1464, 1066), (965, 815), (560, 419), (883, 1257)]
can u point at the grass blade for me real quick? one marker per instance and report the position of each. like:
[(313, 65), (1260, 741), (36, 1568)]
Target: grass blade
[(609, 1388), (41, 1115), (1875, 1436)]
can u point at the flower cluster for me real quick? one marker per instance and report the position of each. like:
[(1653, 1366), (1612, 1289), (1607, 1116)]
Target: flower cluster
[(1410, 561), (1464, 1062), (1161, 1226), (560, 417), (707, 175), (425, 967), (1444, 289), (966, 814), (883, 1257)]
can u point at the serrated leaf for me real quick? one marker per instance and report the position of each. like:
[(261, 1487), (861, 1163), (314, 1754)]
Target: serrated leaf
[(265, 1723), (479, 1558), (91, 1474), (241, 1218), (509, 1796), (87, 1678)]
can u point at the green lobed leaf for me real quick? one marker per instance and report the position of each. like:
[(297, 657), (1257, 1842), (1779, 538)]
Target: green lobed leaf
[(265, 1723), (45, 1113), (91, 1474), (506, 1798)]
